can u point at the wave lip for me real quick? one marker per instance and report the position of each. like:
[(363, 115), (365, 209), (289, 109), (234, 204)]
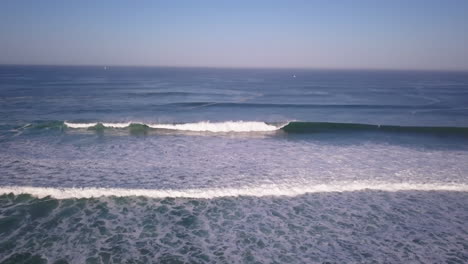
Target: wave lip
[(209, 193)]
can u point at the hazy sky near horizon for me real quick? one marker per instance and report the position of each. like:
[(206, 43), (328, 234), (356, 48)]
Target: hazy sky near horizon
[(375, 34)]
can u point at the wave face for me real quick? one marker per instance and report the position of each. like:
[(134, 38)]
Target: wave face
[(210, 193), (288, 127)]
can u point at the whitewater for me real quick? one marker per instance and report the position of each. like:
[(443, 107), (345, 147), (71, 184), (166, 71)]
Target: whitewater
[(210, 193), (205, 126)]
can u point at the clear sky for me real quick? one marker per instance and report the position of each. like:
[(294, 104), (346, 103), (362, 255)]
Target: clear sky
[(375, 34)]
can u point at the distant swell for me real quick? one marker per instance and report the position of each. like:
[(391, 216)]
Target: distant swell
[(316, 127), (258, 191), (306, 106)]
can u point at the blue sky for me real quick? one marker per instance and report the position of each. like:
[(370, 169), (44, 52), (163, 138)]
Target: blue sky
[(375, 34)]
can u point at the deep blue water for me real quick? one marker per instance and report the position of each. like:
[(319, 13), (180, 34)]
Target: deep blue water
[(189, 95), (172, 165)]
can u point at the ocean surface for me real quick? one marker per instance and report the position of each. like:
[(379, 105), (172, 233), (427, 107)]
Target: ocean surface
[(199, 165)]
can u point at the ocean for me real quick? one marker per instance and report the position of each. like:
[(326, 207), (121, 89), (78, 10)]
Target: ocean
[(205, 165)]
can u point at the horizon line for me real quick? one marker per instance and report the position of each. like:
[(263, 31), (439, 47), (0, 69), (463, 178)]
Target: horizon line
[(237, 67)]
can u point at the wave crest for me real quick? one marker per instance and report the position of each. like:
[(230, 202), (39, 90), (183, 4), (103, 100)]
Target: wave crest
[(79, 125), (230, 126), (205, 126)]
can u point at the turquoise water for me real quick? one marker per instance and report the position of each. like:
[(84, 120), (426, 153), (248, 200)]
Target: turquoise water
[(174, 165)]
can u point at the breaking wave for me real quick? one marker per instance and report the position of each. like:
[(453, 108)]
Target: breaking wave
[(80, 125), (231, 126), (256, 126), (206, 126), (208, 193)]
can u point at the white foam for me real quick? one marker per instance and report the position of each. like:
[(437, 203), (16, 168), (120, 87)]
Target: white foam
[(204, 126), (87, 125), (229, 126), (116, 125), (258, 191), (79, 125)]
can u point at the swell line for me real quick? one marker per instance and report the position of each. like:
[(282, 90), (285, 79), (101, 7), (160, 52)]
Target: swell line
[(306, 106), (288, 127), (209, 193)]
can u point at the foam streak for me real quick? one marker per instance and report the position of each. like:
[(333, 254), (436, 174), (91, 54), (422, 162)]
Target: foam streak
[(259, 191)]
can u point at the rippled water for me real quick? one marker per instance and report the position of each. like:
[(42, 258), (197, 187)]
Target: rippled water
[(166, 165), (370, 226)]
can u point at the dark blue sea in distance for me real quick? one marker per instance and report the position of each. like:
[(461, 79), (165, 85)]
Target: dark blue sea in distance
[(199, 165)]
